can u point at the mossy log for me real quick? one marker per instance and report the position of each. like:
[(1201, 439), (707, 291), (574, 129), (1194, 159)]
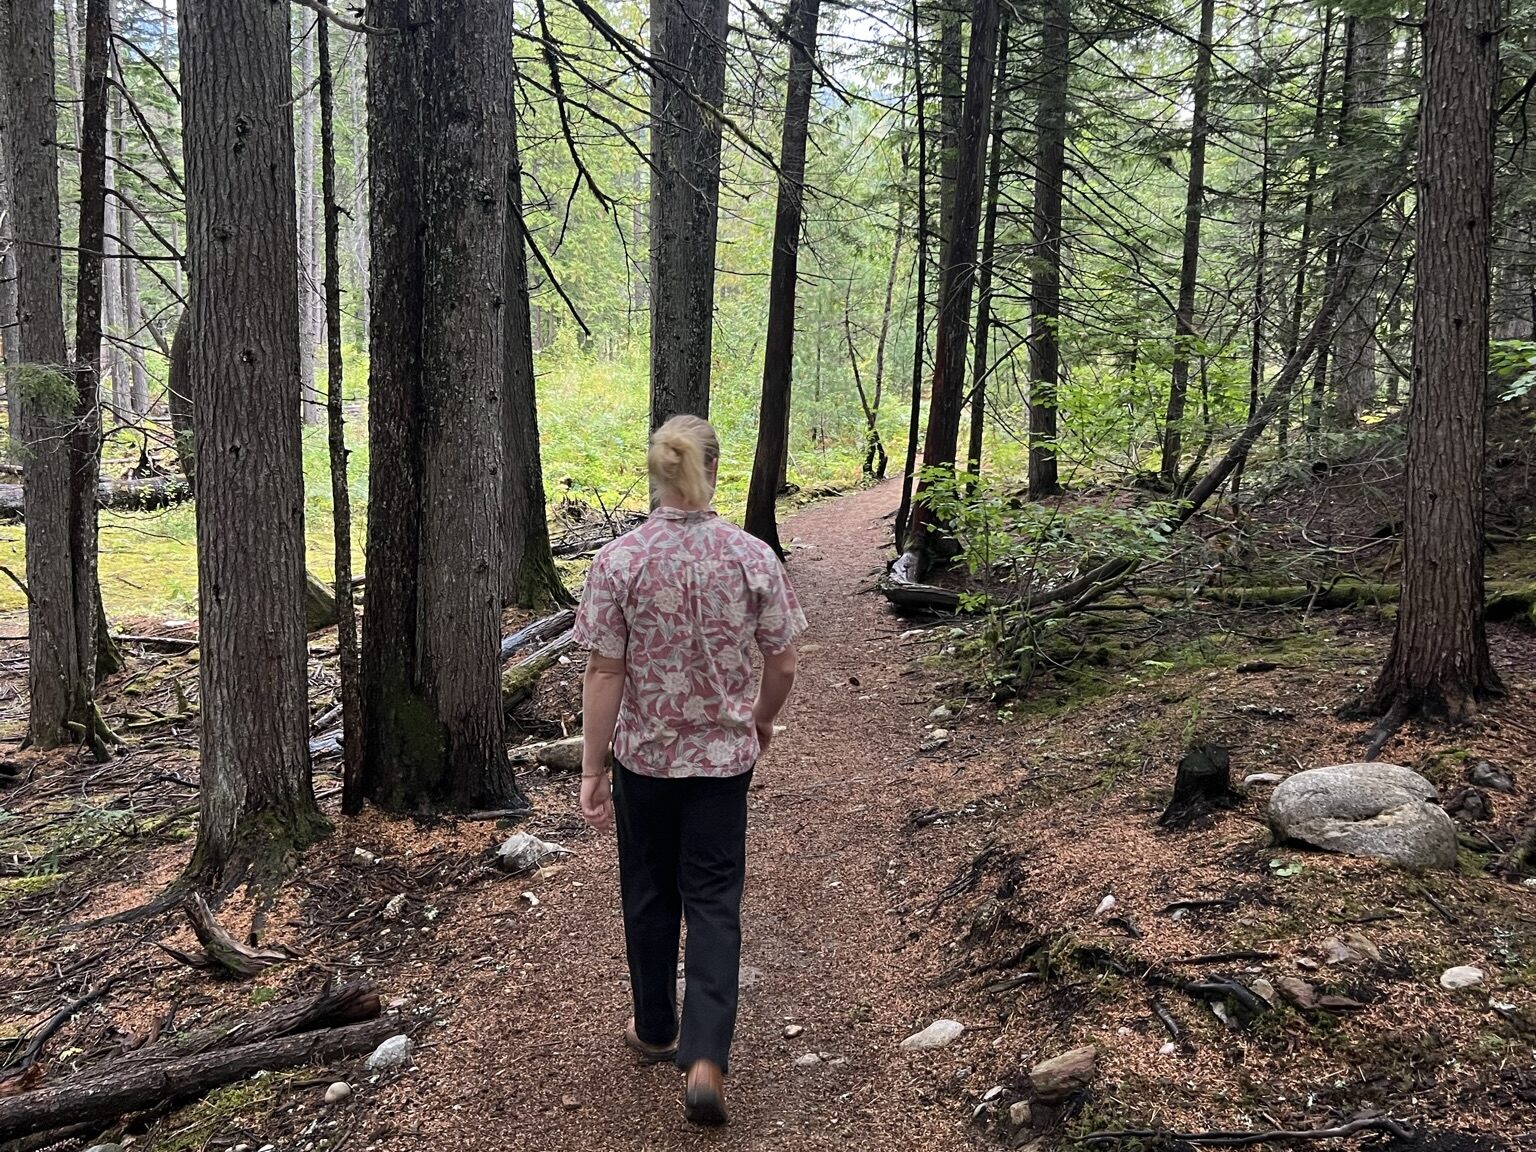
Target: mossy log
[(1506, 600), (129, 495), (133, 1085), (519, 681)]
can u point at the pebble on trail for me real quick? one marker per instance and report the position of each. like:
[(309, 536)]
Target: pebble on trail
[(393, 1053), (939, 1034), (1462, 976)]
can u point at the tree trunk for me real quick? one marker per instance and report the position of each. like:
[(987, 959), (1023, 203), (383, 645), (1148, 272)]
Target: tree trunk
[(258, 801), (983, 362), (59, 424), (358, 216), (1439, 664), (800, 25), (530, 577), (1045, 283), (10, 338), (1308, 212), (919, 327), (950, 344), (951, 112), (341, 494), (875, 459), (1364, 155), (1260, 264), (310, 304), (439, 156), (1189, 271), (132, 315), (112, 354), (688, 41), (183, 397)]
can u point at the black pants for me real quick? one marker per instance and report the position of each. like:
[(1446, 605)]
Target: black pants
[(683, 853)]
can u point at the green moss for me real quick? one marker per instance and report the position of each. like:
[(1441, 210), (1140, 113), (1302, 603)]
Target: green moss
[(234, 1107), (46, 389), (19, 887)]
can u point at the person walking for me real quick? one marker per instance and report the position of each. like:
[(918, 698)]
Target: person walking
[(669, 618)]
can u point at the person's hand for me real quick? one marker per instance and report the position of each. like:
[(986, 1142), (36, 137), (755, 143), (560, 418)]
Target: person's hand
[(597, 801), (764, 734)]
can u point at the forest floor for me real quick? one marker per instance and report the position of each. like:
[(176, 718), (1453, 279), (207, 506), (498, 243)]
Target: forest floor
[(888, 887)]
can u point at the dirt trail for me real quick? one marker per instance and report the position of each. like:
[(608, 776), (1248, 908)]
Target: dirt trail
[(529, 1057)]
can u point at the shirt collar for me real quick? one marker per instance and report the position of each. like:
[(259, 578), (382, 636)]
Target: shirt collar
[(666, 512)]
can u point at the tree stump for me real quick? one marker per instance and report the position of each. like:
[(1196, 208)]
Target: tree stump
[(1203, 784)]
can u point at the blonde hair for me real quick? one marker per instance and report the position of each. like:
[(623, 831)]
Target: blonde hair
[(681, 452)]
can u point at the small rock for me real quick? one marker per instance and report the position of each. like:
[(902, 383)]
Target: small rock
[(1169, 1049), (936, 739), (1307, 963), (1464, 976), (393, 1053), (338, 1092), (395, 907), (1256, 778), (1338, 1004), (267, 1148), (523, 853), (1265, 991), (792, 1030), (1361, 943), (1018, 1114), (1337, 952), (941, 714), (1107, 905), (105, 1148), (837, 1062), (570, 1103), (1470, 804), (530, 899), (809, 1060), (993, 1093), (939, 1034), (1298, 992), (1061, 1076), (1486, 775), (365, 856)]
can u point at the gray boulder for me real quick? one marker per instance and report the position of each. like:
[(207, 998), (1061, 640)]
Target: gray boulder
[(1377, 810)]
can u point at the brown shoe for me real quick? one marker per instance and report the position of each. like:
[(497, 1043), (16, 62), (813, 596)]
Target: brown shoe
[(704, 1099), (649, 1053)]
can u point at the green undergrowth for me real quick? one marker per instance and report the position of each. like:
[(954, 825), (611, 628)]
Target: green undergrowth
[(593, 422), (232, 1109)]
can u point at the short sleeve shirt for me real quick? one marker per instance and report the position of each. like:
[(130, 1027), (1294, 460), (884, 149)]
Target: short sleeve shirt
[(683, 600)]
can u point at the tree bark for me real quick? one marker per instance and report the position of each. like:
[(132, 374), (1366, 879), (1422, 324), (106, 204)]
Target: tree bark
[(9, 325), (1439, 664), (983, 361), (1365, 155), (941, 444), (531, 579), (1189, 271), (919, 327), (116, 363), (60, 424), (341, 493), (183, 397), (258, 800), (951, 112), (1045, 283), (800, 24), (688, 41), (313, 407), (875, 458), (1308, 212), (439, 156)]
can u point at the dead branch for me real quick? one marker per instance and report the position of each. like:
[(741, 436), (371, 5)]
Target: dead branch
[(220, 949), (1245, 1139)]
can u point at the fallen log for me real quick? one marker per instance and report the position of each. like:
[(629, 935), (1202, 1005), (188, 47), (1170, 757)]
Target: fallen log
[(351, 1003), (105, 1094), (320, 609), (537, 633), (133, 494), (520, 680)]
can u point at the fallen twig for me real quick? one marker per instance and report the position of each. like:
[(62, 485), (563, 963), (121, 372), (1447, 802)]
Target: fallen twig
[(1245, 1139)]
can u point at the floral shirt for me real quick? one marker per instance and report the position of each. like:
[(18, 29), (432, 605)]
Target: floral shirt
[(682, 600)]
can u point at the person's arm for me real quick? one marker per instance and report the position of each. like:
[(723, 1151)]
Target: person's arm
[(600, 629), (773, 694), (602, 688)]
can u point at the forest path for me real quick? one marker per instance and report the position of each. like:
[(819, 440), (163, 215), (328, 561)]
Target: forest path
[(530, 1057)]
